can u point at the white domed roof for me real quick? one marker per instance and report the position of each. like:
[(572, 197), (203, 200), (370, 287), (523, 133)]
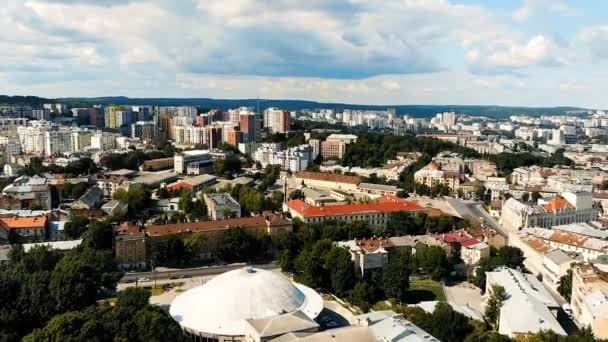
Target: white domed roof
[(222, 305)]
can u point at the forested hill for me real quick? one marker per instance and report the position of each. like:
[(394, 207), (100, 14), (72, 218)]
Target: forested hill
[(23, 100)]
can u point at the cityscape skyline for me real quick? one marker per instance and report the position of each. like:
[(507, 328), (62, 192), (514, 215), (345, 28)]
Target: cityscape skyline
[(524, 53)]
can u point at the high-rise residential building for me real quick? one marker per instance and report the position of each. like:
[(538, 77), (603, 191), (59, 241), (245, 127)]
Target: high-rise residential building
[(315, 145), (57, 142), (249, 126), (123, 118), (276, 120), (103, 140), (97, 117), (165, 123), (82, 114), (145, 130), (142, 113), (11, 148), (31, 137), (110, 116), (41, 114), (80, 139)]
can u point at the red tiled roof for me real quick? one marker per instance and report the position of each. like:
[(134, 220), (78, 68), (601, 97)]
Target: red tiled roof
[(16, 222), (385, 204), (557, 204), (458, 236), (328, 177)]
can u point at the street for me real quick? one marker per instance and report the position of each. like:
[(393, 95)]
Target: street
[(473, 210), (190, 272)]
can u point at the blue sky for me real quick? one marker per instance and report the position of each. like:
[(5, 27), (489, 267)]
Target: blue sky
[(520, 52)]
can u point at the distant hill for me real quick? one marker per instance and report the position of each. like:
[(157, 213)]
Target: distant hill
[(414, 110), (420, 111), (23, 100)]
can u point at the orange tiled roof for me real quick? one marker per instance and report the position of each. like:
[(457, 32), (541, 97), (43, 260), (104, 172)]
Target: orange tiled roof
[(328, 177), (538, 245), (557, 204), (385, 204), (16, 222)]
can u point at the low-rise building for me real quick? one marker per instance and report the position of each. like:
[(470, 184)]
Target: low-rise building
[(568, 208), (32, 192), (438, 172), (367, 254), (376, 214), (377, 189), (91, 199), (267, 224), (471, 249), (23, 229), (195, 184), (589, 300), (131, 250), (222, 205), (528, 308), (327, 180)]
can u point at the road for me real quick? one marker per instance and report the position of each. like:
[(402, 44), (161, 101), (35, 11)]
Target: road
[(473, 210), (190, 272)]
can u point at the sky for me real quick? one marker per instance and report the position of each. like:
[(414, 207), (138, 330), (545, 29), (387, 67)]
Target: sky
[(504, 52)]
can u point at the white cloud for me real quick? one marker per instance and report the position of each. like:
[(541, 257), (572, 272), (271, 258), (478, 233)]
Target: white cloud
[(531, 7), (595, 39), (514, 56)]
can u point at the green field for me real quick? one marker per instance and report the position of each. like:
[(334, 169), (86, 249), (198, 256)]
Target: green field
[(424, 290)]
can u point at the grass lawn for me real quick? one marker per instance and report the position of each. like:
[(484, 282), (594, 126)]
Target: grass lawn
[(383, 305), (424, 290)]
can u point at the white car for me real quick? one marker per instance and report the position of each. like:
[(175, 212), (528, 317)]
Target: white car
[(567, 309), (142, 280)]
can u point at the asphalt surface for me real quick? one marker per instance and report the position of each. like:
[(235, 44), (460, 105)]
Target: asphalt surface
[(190, 272), (473, 210)]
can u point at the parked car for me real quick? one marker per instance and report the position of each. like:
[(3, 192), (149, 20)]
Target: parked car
[(142, 280)]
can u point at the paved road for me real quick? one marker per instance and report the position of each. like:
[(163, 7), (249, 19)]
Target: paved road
[(473, 210), (191, 272)]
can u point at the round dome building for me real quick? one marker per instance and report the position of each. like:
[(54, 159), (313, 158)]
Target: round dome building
[(246, 302)]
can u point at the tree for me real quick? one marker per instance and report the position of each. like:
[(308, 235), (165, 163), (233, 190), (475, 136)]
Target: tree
[(296, 194), (163, 193), (525, 196), (448, 325), (133, 299), (536, 196), (195, 243), (76, 227), (498, 295), (395, 276), (565, 286), (362, 296), (99, 235), (433, 261), (511, 257), (81, 276), (237, 245), (340, 268), (185, 201)]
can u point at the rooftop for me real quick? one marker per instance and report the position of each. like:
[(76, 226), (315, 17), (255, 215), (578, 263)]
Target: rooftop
[(525, 294), (384, 204), (18, 222), (207, 226), (328, 177), (223, 305)]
